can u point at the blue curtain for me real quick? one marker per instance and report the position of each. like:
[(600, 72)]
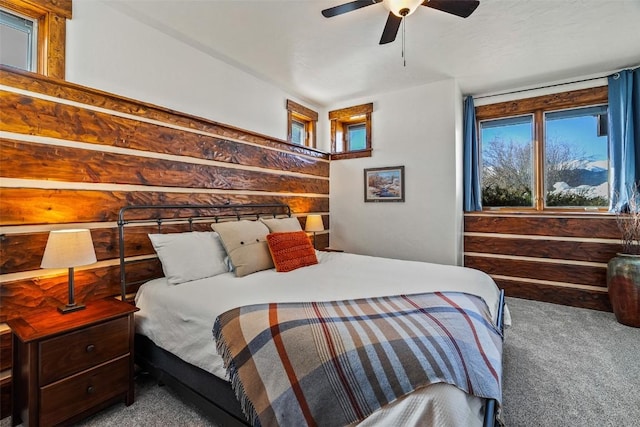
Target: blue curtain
[(472, 195), (624, 135)]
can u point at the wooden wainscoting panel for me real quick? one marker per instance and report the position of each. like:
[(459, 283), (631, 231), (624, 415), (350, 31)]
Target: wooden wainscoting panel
[(576, 297), (44, 206), (569, 273), (541, 248), (92, 97), (560, 257), (24, 295), (72, 123), (23, 251), (603, 227), (35, 161)]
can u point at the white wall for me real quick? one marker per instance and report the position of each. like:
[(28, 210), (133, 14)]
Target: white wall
[(419, 128), (108, 50)]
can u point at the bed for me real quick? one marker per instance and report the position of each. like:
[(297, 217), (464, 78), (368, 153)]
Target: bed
[(174, 338)]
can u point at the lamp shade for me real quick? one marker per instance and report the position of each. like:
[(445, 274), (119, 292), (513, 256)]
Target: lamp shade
[(68, 248), (314, 223), (408, 6)]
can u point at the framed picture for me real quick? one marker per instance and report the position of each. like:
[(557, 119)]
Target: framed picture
[(384, 184)]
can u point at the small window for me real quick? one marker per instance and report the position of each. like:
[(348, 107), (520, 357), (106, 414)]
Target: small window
[(18, 41), (33, 35), (357, 137), (301, 124), (298, 132), (351, 132)]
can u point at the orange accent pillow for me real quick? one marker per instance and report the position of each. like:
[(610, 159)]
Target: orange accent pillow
[(291, 250)]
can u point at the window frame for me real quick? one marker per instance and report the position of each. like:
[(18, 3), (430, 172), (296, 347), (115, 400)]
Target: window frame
[(340, 121), (538, 106), (306, 116), (51, 16)]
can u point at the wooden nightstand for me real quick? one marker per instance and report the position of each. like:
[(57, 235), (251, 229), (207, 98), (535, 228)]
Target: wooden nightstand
[(66, 366)]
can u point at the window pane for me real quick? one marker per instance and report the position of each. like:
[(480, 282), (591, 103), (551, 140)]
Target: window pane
[(507, 162), (576, 158), (357, 137), (297, 132), (17, 41)]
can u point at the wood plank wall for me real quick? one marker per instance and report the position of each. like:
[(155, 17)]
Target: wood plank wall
[(560, 258), (72, 156)]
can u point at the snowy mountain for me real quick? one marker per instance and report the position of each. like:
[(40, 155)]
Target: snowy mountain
[(586, 173), (590, 179)]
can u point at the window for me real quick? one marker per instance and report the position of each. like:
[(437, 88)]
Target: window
[(33, 34), (549, 152), (18, 41), (507, 161), (351, 132), (298, 132), (576, 158), (301, 124), (356, 137)]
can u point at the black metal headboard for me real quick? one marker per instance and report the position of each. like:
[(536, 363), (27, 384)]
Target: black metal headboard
[(184, 214)]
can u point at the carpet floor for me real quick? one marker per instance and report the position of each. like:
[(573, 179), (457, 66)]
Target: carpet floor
[(566, 366), (563, 366)]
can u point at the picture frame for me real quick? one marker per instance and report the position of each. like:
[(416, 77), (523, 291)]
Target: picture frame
[(384, 184)]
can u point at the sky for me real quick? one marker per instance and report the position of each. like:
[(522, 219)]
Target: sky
[(581, 131)]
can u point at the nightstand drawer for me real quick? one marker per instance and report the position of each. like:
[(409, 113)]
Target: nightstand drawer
[(77, 393), (77, 351)]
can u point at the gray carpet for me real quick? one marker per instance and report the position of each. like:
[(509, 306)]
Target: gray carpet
[(563, 366), (567, 366)]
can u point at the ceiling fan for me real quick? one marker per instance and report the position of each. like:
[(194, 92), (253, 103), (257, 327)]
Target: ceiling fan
[(399, 9)]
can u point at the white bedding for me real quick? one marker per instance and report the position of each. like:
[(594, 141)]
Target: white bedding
[(179, 318)]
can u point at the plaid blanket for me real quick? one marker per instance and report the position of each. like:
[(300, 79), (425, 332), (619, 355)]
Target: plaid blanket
[(334, 363)]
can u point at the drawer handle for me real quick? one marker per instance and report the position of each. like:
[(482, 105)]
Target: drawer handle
[(91, 390), (90, 348)]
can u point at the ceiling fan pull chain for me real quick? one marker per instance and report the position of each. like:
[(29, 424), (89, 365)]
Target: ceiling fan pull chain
[(404, 58)]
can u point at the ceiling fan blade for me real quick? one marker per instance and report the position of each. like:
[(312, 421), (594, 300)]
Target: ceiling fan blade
[(461, 8), (347, 7), (390, 29)]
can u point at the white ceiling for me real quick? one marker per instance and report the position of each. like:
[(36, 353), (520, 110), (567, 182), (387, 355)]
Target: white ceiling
[(504, 44)]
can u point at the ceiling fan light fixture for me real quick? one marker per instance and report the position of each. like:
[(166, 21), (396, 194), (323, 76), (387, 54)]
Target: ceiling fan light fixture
[(402, 8)]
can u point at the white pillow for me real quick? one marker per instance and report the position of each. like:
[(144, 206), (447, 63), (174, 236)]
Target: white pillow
[(189, 256), (282, 225)]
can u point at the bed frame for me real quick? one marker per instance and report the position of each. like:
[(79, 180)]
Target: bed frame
[(192, 216), (209, 393)]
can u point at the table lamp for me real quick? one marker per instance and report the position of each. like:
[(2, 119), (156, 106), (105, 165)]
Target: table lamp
[(314, 224), (69, 249)]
